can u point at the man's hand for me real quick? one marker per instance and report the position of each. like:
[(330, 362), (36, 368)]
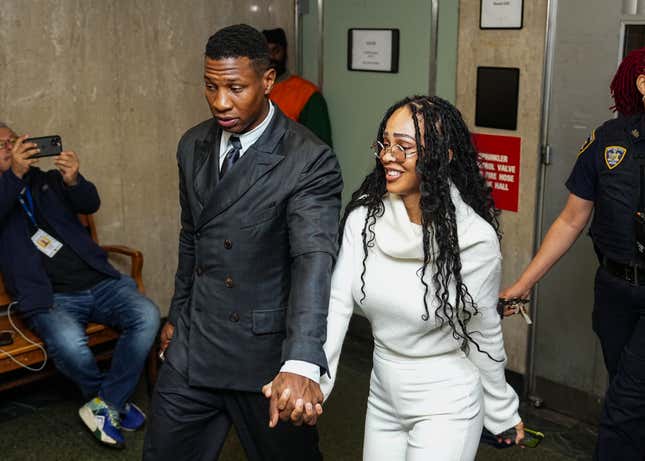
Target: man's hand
[(20, 153), (293, 397), (166, 335), (68, 165)]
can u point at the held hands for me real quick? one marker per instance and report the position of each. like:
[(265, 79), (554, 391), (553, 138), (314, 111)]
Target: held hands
[(20, 153), (293, 397), (68, 165)]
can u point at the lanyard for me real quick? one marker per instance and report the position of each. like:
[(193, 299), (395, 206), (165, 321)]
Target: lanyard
[(29, 206)]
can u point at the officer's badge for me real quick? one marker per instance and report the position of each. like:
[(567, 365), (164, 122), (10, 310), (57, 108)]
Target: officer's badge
[(587, 143), (614, 155), (636, 133)]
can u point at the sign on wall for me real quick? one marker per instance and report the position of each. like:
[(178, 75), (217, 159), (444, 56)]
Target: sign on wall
[(499, 162), (501, 14), (373, 50)]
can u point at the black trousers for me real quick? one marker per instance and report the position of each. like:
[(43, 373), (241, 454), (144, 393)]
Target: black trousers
[(191, 424), (619, 322)]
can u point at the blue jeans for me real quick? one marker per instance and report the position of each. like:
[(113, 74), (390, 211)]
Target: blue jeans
[(112, 302)]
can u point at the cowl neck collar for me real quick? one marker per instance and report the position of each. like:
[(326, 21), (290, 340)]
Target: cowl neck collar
[(398, 237)]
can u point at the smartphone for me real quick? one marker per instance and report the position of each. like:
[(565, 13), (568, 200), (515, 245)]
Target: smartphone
[(49, 146), (6, 338), (531, 438)]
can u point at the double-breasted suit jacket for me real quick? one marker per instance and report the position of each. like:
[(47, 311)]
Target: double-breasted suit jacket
[(256, 252)]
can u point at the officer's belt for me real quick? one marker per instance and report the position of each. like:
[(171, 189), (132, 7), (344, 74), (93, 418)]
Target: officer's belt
[(633, 274)]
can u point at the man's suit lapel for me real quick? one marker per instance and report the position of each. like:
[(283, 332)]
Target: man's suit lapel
[(257, 161), (205, 165)]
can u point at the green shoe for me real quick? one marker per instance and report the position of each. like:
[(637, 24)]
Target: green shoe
[(103, 421)]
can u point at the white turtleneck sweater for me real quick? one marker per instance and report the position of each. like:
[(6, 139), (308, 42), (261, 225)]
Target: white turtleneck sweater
[(394, 299)]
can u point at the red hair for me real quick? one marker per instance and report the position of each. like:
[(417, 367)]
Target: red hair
[(627, 99)]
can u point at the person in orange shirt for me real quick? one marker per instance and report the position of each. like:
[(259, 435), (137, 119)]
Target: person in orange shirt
[(297, 98)]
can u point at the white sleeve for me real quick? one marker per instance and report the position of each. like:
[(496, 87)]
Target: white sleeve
[(341, 304), (302, 368), (500, 400)]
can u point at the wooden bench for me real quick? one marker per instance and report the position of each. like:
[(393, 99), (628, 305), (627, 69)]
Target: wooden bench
[(100, 337)]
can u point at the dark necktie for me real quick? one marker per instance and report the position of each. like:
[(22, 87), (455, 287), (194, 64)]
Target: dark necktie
[(232, 156)]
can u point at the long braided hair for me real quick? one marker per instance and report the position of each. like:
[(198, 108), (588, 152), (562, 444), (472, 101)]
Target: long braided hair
[(627, 99), (443, 129)]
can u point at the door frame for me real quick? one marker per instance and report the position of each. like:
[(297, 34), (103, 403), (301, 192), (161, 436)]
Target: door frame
[(621, 41), (545, 160)]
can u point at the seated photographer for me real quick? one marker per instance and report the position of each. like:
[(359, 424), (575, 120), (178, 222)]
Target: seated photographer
[(62, 280)]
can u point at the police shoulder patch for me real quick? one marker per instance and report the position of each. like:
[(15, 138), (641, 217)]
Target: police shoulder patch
[(614, 155), (588, 142)]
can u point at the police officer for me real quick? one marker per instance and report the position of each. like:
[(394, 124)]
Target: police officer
[(606, 180)]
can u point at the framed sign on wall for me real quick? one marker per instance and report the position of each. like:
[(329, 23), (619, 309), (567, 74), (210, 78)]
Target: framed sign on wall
[(373, 50), (501, 14)]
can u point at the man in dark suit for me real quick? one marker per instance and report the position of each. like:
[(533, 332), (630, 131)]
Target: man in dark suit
[(260, 198)]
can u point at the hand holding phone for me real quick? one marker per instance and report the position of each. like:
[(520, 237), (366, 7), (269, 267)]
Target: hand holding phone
[(48, 146), (21, 153), (531, 438), (68, 165)]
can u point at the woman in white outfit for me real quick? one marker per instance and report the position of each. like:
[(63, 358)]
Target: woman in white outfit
[(420, 256)]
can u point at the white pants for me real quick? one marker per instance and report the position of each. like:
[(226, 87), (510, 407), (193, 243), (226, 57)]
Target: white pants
[(423, 409)]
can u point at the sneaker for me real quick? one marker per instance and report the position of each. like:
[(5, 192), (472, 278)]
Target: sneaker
[(133, 418), (103, 422)]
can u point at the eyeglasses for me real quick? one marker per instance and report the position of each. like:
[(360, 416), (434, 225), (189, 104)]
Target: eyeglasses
[(7, 144), (398, 152)]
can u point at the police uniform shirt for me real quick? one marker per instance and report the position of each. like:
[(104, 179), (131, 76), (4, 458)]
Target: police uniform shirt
[(606, 172)]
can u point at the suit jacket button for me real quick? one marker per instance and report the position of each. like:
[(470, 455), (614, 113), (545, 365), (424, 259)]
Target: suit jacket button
[(234, 317), (199, 271), (198, 235), (228, 244), (228, 281)]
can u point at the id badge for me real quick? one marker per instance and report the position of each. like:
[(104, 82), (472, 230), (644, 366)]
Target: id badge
[(46, 243)]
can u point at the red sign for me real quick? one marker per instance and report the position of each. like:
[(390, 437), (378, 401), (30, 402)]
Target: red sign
[(499, 162)]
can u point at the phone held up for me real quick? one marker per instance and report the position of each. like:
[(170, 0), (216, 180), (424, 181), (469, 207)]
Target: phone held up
[(49, 146)]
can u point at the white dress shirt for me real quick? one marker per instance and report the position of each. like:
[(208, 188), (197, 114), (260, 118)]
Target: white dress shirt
[(246, 139)]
